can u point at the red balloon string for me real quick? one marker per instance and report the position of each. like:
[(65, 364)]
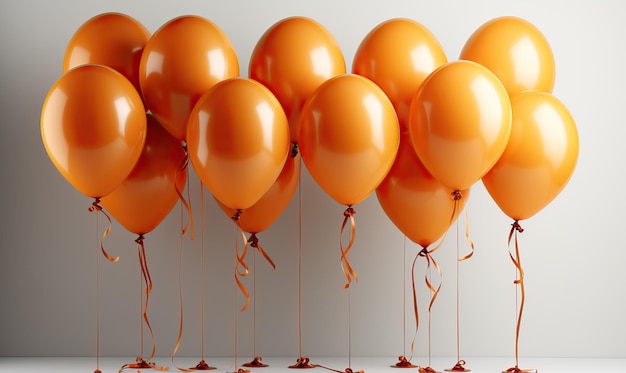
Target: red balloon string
[(184, 164), (95, 206), (346, 268), (241, 268), (515, 258)]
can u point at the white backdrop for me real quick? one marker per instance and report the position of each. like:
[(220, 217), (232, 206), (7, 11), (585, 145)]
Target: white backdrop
[(573, 251)]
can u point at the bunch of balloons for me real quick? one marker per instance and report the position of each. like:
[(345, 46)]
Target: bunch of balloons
[(131, 109)]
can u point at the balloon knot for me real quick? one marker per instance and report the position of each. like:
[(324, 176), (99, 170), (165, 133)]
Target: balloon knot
[(294, 149), (254, 240), (424, 252), (456, 195), (237, 214), (139, 239), (95, 205), (517, 227), (349, 212)]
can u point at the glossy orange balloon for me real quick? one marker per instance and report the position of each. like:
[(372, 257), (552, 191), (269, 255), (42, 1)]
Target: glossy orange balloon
[(292, 58), (148, 194), (540, 158), (398, 55), (460, 123), (419, 205), (264, 212), (516, 51), (349, 137), (112, 39), (238, 141), (93, 126), (183, 59)]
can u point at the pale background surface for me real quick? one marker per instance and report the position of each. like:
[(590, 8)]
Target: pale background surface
[(573, 251)]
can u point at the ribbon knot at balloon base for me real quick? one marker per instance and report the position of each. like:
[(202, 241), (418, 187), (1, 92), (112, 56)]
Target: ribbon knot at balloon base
[(302, 363), (427, 370)]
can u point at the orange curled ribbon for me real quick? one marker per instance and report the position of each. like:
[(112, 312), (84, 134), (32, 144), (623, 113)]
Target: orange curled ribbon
[(515, 229), (254, 242), (456, 196), (346, 268), (241, 268), (95, 206), (145, 273)]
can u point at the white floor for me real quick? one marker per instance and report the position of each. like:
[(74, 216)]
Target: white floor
[(280, 365)]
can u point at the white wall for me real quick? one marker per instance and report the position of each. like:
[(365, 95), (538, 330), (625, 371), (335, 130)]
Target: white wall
[(573, 251)]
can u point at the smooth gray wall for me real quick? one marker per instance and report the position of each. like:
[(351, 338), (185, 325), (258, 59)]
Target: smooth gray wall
[(573, 250)]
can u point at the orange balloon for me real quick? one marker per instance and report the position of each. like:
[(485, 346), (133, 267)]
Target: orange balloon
[(238, 141), (183, 59), (419, 205), (516, 51), (398, 55), (93, 126), (112, 39), (264, 212), (349, 137), (292, 58), (539, 159), (148, 194), (460, 122)]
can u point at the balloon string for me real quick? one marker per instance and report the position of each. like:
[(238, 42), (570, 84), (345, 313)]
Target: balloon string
[(415, 308), (184, 164), (457, 196), (95, 206), (140, 362), (515, 229), (404, 301), (241, 268), (97, 370), (180, 293), (202, 218), (346, 268)]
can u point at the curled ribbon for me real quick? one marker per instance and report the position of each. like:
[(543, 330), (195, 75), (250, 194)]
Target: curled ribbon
[(431, 261), (95, 206), (515, 229), (254, 242), (183, 167), (456, 196), (346, 268), (140, 363), (241, 268)]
